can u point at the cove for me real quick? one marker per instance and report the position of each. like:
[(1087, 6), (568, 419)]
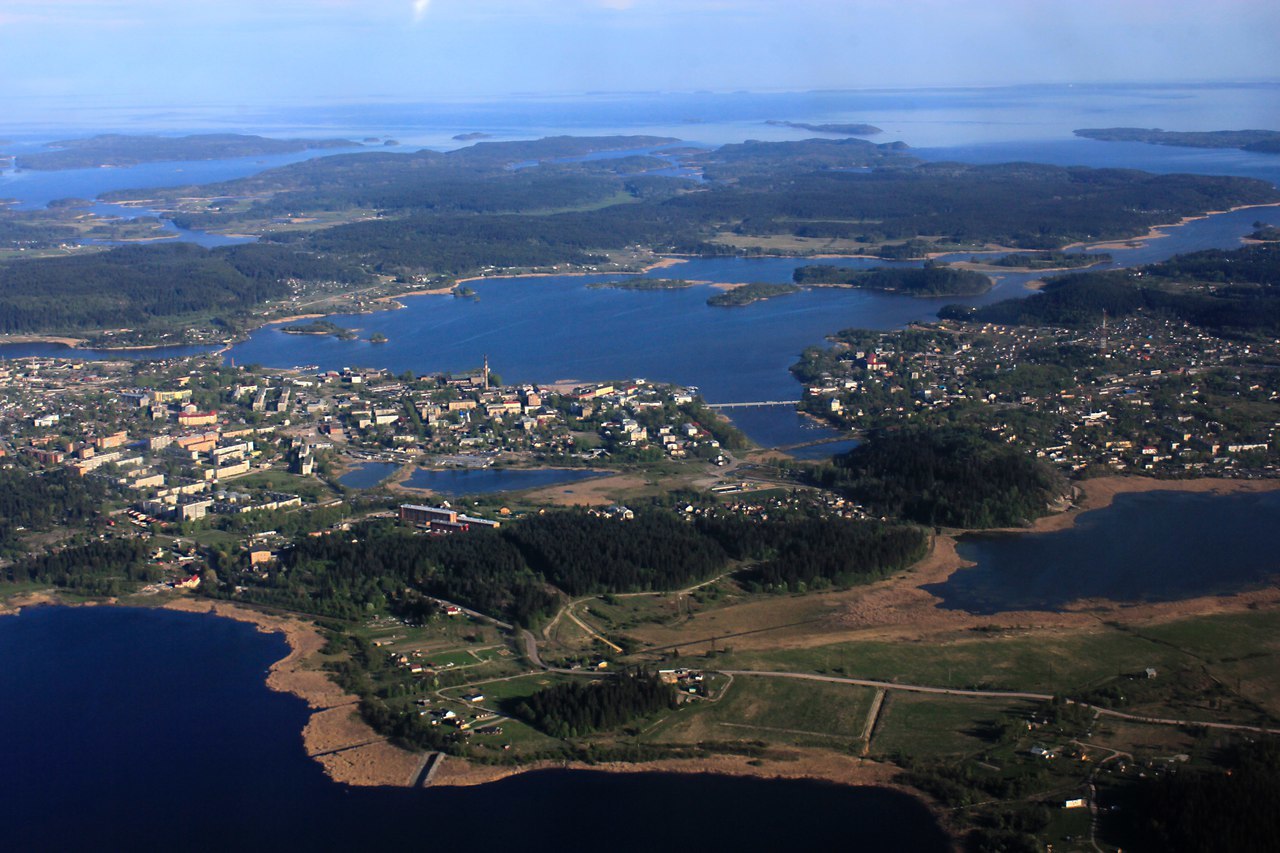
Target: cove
[(142, 729), (1151, 546)]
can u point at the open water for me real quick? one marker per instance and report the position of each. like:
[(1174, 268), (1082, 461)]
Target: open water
[(1152, 546)]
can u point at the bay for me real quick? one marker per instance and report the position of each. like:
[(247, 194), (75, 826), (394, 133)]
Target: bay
[(150, 730), (1152, 546)]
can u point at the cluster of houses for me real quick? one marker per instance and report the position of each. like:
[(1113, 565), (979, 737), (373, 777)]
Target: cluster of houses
[(1144, 395)]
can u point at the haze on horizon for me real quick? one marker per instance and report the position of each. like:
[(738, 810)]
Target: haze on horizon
[(66, 54)]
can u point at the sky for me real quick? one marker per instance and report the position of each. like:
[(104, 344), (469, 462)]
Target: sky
[(141, 52)]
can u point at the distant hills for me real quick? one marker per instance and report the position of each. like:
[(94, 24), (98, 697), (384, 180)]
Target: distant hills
[(1264, 141), (115, 149)]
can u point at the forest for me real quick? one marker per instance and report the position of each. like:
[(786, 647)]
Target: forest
[(931, 280), (1227, 291), (521, 571), (948, 477), (136, 286), (39, 500), (1228, 807)]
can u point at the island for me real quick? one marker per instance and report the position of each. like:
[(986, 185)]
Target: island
[(128, 150), (644, 284), (1045, 260), (319, 327), (930, 281), (834, 129), (473, 136), (1262, 141), (745, 294)]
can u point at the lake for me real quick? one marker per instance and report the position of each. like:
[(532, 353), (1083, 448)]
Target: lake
[(366, 475), (1151, 546), (480, 481), (150, 730)]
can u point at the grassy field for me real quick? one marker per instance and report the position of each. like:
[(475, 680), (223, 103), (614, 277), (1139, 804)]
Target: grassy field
[(774, 710), (916, 725)]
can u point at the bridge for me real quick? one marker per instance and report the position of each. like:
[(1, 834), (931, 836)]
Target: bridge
[(752, 404)]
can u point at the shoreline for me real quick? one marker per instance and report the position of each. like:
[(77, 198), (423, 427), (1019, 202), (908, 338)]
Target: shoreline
[(352, 753)]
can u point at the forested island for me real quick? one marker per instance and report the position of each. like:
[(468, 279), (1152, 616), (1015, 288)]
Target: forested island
[(1045, 260), (748, 293), (930, 281), (114, 149), (852, 129), (644, 284), (1264, 141), (319, 327)]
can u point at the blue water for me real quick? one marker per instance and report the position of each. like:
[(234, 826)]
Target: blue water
[(146, 730), (1155, 546), (473, 481), (368, 474)]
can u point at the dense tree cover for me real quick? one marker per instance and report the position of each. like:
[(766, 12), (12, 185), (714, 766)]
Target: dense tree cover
[(577, 708), (797, 553), (109, 567), (1224, 808), (32, 236), (1267, 141), (748, 293), (38, 500), (581, 553), (1045, 260), (1266, 233), (115, 149), (949, 477), (1223, 290), (378, 565), (931, 280), (137, 285)]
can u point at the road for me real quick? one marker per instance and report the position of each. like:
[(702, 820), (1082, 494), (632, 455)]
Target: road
[(1003, 694)]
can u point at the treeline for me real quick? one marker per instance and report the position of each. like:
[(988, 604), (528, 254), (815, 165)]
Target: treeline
[(576, 708), (1243, 294), (37, 500), (582, 553), (1045, 260), (930, 280), (378, 566), (102, 568), (136, 285), (816, 552), (950, 477), (520, 571)]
